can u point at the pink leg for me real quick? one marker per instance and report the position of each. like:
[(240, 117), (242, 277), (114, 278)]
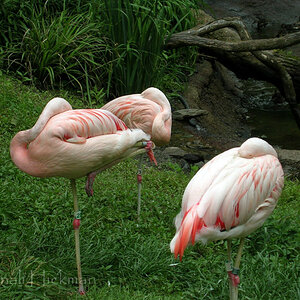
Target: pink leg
[(233, 272), (76, 225), (139, 181), (89, 183)]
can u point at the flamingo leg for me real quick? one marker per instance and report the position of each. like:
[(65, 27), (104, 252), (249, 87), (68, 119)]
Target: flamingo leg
[(148, 146), (239, 254), (89, 183), (76, 225), (228, 265), (139, 180), (236, 269)]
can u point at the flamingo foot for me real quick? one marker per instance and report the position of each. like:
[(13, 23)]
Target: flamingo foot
[(89, 183)]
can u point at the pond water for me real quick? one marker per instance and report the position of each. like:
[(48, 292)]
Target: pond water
[(273, 122), (276, 127)]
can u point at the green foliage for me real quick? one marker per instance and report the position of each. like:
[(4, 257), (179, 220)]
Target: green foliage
[(137, 34), (137, 31), (12, 12), (122, 259), (174, 69), (110, 47), (60, 51)]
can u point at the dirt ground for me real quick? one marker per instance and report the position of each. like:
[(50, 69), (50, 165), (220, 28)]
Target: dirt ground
[(215, 89)]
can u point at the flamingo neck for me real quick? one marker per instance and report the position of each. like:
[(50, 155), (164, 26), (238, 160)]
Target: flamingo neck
[(161, 129), (19, 144), (20, 155)]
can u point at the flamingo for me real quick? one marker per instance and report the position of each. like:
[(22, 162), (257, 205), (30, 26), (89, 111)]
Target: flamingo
[(73, 143), (149, 111), (229, 197)]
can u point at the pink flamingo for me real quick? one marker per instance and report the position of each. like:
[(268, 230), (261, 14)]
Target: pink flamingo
[(230, 197), (73, 143), (149, 111)]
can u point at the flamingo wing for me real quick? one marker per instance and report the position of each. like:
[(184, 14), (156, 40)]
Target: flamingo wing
[(149, 111), (230, 196), (75, 126), (76, 142), (134, 111)]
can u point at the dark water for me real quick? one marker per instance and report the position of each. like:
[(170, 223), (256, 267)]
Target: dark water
[(276, 127), (273, 122)]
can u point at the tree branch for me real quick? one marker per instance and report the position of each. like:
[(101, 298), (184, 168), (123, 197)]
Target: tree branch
[(182, 39), (276, 70), (232, 22)]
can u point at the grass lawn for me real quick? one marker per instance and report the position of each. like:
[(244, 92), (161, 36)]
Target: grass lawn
[(122, 259)]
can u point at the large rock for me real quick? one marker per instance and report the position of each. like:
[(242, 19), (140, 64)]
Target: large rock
[(263, 18), (175, 152), (181, 157), (187, 113), (215, 89), (290, 160)]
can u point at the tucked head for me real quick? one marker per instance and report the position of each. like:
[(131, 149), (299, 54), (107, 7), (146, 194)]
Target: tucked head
[(255, 147)]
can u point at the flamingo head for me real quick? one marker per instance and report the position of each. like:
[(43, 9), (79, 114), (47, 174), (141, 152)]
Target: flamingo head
[(255, 147)]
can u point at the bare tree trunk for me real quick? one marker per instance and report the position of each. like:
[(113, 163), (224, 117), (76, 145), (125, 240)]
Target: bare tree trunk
[(246, 57)]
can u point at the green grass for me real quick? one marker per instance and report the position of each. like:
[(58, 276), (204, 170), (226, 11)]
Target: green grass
[(122, 259)]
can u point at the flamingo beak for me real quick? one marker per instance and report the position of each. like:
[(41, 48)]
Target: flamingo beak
[(149, 148)]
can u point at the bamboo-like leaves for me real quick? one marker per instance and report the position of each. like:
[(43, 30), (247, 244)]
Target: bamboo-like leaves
[(116, 45), (138, 31)]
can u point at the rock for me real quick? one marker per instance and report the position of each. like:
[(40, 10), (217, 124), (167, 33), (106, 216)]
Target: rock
[(290, 160), (182, 114), (200, 164), (219, 97), (174, 151), (196, 144), (292, 155), (193, 158), (263, 18), (181, 157)]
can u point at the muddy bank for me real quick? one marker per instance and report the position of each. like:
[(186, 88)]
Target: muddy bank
[(225, 98), (216, 90)]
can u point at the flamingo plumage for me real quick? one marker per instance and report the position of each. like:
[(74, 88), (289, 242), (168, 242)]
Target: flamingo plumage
[(149, 111), (73, 143), (229, 197)]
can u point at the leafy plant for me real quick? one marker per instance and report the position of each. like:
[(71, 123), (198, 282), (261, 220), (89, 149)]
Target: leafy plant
[(62, 51), (90, 45), (138, 31)]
